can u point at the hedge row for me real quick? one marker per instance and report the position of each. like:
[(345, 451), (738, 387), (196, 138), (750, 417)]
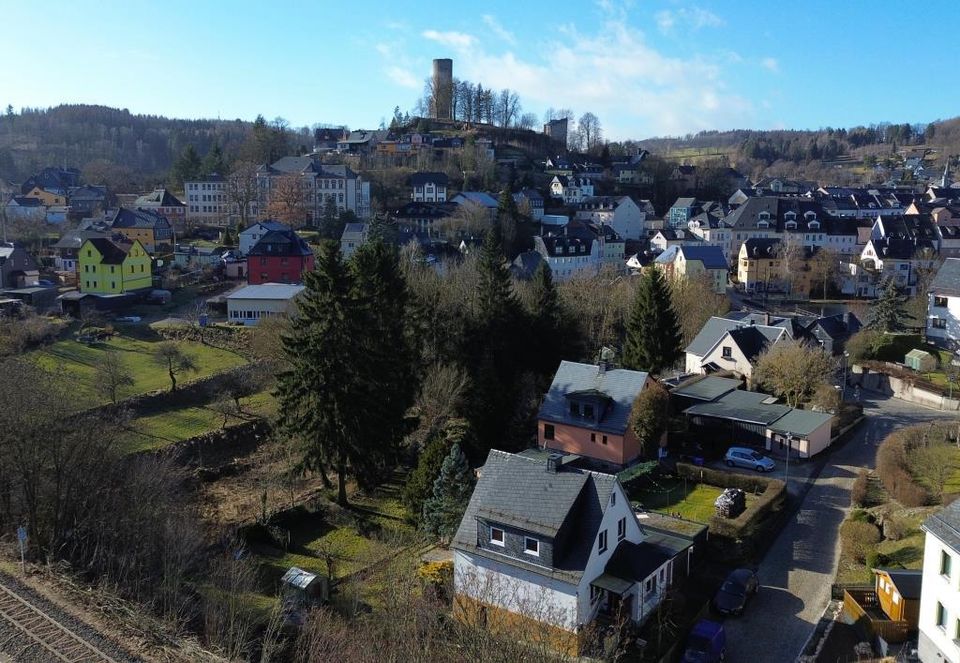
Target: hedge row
[(892, 468), (772, 494)]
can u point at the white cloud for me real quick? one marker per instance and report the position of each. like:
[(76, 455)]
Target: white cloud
[(771, 64), (497, 29), (687, 18), (452, 38), (615, 73), (403, 77)]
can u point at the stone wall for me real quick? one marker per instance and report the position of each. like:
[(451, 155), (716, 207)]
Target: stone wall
[(900, 388)]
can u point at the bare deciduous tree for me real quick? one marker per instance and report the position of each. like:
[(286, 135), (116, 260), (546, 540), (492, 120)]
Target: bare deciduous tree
[(242, 190), (793, 370), (288, 200), (111, 376), (170, 356)]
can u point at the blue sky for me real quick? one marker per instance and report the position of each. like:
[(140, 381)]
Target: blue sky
[(644, 67)]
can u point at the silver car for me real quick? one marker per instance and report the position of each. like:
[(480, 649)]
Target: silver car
[(743, 457)]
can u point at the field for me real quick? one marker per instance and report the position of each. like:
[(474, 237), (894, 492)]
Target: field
[(159, 429), (77, 363)]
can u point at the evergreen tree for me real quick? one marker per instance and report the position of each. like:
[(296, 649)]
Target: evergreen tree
[(889, 311), (444, 509), (331, 227), (321, 390), (496, 302), (227, 237), (653, 333), (549, 326), (507, 215), (187, 167), (214, 162), (419, 486)]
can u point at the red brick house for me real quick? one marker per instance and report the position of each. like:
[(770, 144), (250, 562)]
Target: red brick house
[(281, 256), (587, 412)]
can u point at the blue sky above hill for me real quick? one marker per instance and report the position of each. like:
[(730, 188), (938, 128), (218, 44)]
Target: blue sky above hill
[(645, 68)]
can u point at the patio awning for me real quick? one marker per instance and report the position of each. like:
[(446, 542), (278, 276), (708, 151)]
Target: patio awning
[(612, 583)]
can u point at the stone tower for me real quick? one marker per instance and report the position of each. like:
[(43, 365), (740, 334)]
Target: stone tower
[(442, 103)]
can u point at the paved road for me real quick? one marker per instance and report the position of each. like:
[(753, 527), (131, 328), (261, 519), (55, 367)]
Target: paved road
[(799, 567)]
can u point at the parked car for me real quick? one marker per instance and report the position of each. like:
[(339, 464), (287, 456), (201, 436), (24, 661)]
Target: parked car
[(735, 591), (743, 457), (43, 283), (707, 643), (129, 318)]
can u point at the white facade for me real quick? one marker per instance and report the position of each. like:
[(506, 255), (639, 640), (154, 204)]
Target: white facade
[(208, 202), (624, 216), (429, 192), (943, 319), (939, 619), (250, 236), (566, 266), (573, 191), (248, 305)]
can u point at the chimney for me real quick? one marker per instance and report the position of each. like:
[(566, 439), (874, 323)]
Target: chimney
[(554, 463), (766, 318), (601, 366)]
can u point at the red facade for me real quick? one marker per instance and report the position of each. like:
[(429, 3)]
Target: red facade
[(278, 269)]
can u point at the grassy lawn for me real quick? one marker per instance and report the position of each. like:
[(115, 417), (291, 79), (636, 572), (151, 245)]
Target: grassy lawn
[(694, 501), (371, 531), (77, 363), (906, 552), (161, 429)]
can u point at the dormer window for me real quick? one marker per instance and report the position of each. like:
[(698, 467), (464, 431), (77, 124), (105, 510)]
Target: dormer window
[(496, 536), (531, 546), (810, 216), (763, 224), (574, 409), (814, 225), (790, 225), (790, 216), (764, 216), (588, 411)]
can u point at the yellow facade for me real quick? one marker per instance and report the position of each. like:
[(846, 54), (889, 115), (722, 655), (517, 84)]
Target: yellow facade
[(47, 198), (768, 273), (96, 277)]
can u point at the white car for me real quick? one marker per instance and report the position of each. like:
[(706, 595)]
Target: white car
[(129, 318), (748, 458)]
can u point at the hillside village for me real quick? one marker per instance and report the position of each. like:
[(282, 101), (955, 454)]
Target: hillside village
[(454, 390)]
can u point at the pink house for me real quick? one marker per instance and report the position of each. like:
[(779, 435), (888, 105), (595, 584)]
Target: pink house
[(587, 412)]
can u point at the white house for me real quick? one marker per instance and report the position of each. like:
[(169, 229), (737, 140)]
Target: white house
[(354, 235), (253, 302), (208, 200), (253, 234), (429, 187), (943, 305), (731, 344), (556, 544), (569, 256), (939, 621), (572, 190), (621, 213)]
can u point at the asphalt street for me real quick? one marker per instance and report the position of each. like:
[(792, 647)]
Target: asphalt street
[(799, 567)]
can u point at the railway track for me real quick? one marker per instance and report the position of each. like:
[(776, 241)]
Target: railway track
[(43, 636)]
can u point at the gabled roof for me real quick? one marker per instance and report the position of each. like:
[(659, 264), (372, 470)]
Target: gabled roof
[(750, 340), (74, 239), (159, 198), (281, 243), (761, 248), (419, 179), (113, 254), (947, 280), (716, 328), (685, 202), (262, 226), (712, 257), (518, 491), (800, 422), (481, 198), (354, 232), (139, 218), (945, 525), (620, 385)]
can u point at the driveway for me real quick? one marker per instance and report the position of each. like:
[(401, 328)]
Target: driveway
[(800, 565)]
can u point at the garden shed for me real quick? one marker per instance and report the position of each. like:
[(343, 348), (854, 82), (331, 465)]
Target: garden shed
[(920, 361)]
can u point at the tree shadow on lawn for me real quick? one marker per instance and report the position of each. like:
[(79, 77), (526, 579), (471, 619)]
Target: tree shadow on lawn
[(905, 555)]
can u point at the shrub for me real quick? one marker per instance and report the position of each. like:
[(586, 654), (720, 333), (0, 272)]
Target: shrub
[(868, 344), (892, 468), (858, 539), (861, 516), (858, 494), (876, 560), (895, 528)]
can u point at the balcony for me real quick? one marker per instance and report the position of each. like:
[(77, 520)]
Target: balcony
[(862, 605)]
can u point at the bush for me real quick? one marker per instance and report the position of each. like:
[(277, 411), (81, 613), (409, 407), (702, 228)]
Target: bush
[(861, 516), (19, 335), (892, 468), (858, 539), (858, 494), (876, 560), (868, 344), (750, 483), (896, 528)]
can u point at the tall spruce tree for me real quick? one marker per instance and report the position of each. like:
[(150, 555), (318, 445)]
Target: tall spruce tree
[(549, 326), (653, 333), (890, 310), (322, 389), (444, 509), (507, 215)]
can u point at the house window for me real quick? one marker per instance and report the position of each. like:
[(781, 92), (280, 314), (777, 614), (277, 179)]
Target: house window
[(588, 411), (938, 323), (945, 561), (531, 546), (574, 409), (604, 439), (940, 301), (613, 498), (496, 536), (602, 542), (593, 437), (548, 431), (595, 593), (727, 352), (941, 616), (621, 529)]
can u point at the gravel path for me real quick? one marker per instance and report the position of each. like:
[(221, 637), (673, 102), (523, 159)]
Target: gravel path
[(798, 569), (21, 648)]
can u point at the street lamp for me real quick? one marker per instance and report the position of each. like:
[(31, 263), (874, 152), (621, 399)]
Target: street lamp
[(846, 359)]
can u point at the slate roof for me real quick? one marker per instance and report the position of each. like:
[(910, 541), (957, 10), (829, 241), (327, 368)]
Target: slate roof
[(618, 384), (945, 525), (837, 326), (139, 218), (265, 225), (354, 232), (308, 165), (947, 280), (636, 561), (750, 340), (477, 197), (74, 239), (281, 243), (112, 253), (526, 264), (908, 581), (715, 328), (419, 179), (519, 491), (159, 198), (761, 247), (562, 245), (712, 257)]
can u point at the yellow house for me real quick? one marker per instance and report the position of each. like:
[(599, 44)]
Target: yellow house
[(695, 262), (761, 267), (47, 198), (148, 227), (107, 268)]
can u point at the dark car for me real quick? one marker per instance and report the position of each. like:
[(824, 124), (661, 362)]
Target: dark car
[(707, 643), (732, 597)]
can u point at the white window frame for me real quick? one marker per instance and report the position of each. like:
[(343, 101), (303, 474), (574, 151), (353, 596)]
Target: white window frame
[(493, 541), (526, 548)]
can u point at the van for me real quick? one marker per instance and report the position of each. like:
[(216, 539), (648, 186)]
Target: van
[(707, 643)]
